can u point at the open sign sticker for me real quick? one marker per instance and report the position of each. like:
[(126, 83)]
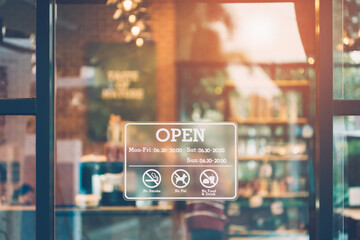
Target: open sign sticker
[(180, 161)]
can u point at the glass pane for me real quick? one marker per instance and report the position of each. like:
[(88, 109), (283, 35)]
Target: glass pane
[(346, 49), (338, 88), (346, 177), (17, 177), (17, 48), (185, 61)]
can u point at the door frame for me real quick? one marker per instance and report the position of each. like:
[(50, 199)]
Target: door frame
[(43, 108), (45, 119), (322, 223)]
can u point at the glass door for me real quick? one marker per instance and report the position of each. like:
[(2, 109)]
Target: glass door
[(26, 121), (249, 63)]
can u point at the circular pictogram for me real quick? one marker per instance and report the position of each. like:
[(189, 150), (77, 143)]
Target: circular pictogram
[(151, 178), (180, 178), (209, 178)]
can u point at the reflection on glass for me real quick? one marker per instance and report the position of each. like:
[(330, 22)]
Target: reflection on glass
[(346, 50), (346, 177), (17, 49), (138, 61)]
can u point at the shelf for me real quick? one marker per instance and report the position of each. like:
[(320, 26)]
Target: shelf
[(353, 213), (292, 83), (270, 235), (17, 208), (236, 232), (116, 209), (274, 158), (269, 121), (285, 195)]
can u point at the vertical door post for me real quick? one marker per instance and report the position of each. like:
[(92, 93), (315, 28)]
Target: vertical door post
[(324, 122), (45, 147)]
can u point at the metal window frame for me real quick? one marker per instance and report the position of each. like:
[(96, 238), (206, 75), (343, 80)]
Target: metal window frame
[(346, 107), (18, 106), (45, 118), (323, 165), (326, 109)]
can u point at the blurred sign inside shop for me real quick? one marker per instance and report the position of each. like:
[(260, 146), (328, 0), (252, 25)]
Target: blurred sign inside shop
[(122, 83), (180, 161), (119, 86)]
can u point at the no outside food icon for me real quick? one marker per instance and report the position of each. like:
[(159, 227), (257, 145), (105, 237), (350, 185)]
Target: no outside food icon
[(209, 178)]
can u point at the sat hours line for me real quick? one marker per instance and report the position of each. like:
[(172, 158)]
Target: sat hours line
[(176, 150)]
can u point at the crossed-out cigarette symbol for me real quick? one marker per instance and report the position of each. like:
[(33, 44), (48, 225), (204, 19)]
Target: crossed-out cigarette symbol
[(151, 178)]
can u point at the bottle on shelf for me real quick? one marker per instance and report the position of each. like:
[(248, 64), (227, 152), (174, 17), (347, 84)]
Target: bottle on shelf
[(114, 146)]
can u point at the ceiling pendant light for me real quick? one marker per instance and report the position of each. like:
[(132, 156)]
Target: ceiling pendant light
[(133, 20)]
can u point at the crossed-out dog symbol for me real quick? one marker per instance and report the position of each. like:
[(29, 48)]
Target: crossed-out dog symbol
[(180, 178)]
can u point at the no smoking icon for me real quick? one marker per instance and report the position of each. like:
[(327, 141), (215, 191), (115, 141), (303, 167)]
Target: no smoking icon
[(151, 178)]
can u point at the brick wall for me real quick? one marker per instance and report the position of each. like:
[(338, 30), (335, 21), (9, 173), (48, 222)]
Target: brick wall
[(163, 24), (79, 24)]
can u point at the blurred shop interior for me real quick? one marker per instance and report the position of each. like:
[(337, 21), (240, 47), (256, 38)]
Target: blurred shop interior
[(174, 61)]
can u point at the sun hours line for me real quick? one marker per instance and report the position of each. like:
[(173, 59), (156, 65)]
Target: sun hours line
[(206, 160)]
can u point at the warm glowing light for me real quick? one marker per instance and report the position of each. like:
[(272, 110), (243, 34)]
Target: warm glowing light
[(346, 41), (128, 38), (135, 30), (127, 5), (33, 70), (117, 14), (261, 30), (355, 56), (139, 42), (120, 26), (218, 90), (339, 47), (132, 18), (110, 2), (317, 5), (252, 82), (141, 24), (33, 58), (311, 60)]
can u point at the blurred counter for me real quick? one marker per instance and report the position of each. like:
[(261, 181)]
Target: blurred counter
[(72, 223)]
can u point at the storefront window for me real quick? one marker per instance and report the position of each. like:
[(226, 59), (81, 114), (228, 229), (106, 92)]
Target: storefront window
[(17, 133), (185, 61), (17, 49), (346, 50), (346, 128), (17, 177), (346, 180)]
